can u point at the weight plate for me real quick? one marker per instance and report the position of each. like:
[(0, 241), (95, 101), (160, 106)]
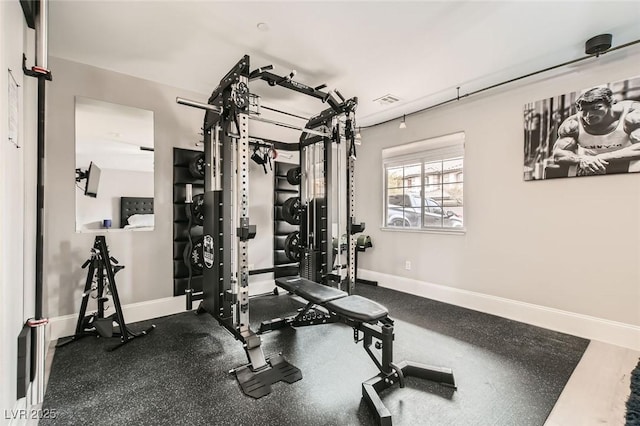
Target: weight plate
[(292, 246), (196, 166), (197, 209), (192, 256), (294, 176), (364, 241), (291, 210)]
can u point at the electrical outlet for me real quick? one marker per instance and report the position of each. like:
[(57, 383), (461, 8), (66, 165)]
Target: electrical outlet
[(407, 265)]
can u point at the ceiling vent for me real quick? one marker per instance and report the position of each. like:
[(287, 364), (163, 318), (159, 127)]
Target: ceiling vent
[(387, 99)]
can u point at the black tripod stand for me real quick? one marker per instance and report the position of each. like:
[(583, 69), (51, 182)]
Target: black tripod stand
[(97, 324)]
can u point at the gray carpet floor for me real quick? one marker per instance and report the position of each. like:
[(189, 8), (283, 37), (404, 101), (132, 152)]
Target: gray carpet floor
[(507, 373)]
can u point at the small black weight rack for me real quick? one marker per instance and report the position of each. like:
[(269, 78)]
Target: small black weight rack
[(102, 266)]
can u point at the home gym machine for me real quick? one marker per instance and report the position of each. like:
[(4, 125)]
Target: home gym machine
[(325, 245), (227, 227)]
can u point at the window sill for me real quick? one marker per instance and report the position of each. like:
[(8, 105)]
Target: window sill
[(447, 231)]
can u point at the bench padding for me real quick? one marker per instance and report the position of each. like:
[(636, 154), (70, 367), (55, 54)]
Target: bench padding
[(354, 307), (358, 308), (309, 290)]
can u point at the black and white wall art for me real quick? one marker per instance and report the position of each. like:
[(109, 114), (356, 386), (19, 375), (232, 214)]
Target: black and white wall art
[(595, 131)]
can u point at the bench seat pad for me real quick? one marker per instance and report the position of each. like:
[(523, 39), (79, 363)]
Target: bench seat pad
[(358, 308), (310, 290)]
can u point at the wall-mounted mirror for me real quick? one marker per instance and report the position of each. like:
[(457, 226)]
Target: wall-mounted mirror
[(114, 166)]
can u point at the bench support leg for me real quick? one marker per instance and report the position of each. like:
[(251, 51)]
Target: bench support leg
[(307, 316), (391, 373), (372, 387), (370, 391), (274, 324)]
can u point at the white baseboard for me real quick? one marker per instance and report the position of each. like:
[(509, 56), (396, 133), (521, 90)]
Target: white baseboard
[(261, 287), (588, 327), (65, 325)]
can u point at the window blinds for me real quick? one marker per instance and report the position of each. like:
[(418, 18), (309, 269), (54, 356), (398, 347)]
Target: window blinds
[(433, 149)]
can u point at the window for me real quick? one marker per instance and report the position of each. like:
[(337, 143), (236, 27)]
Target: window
[(423, 184)]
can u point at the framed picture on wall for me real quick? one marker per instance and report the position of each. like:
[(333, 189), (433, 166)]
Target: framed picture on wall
[(595, 131)]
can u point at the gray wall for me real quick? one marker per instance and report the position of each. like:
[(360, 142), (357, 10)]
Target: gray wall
[(569, 244), (146, 255), (261, 215)]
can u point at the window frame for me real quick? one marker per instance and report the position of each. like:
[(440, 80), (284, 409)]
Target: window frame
[(419, 153)]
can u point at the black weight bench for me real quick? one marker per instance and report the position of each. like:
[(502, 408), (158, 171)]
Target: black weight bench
[(368, 317)]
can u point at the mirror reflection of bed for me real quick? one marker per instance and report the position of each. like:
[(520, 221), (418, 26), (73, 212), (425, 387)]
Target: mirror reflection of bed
[(114, 166), (136, 213)]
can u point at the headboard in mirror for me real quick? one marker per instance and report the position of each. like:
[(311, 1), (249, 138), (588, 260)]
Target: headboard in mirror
[(117, 141), (136, 212)]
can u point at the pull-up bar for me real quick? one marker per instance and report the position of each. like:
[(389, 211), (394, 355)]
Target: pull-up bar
[(289, 126), (214, 108), (284, 112)]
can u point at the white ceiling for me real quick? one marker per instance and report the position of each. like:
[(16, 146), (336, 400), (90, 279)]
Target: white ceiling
[(418, 51)]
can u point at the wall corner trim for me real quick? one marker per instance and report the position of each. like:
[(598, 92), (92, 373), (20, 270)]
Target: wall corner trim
[(585, 326)]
